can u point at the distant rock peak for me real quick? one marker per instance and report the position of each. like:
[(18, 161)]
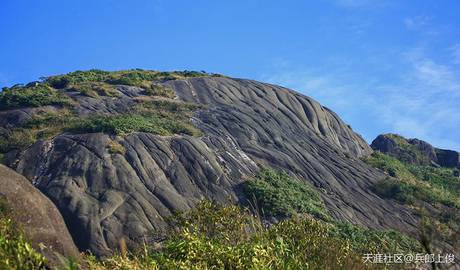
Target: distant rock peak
[(415, 151)]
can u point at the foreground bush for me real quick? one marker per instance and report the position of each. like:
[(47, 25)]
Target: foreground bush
[(213, 236), (15, 252), (227, 237)]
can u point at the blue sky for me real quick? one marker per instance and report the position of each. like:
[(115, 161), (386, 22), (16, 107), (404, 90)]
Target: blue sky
[(383, 66)]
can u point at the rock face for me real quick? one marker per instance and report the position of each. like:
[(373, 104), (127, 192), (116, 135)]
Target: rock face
[(415, 151), (246, 124), (36, 215)]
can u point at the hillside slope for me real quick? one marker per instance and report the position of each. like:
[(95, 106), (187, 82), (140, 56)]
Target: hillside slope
[(110, 184)]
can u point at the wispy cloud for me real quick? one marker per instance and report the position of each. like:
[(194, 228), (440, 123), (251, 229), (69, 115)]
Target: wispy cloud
[(455, 50), (421, 24), (417, 22), (422, 103)]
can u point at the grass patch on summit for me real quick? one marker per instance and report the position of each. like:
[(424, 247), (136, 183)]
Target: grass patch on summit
[(35, 95), (95, 82)]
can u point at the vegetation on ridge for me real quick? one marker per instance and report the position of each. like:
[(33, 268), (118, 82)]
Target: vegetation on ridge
[(93, 83), (162, 117), (34, 95)]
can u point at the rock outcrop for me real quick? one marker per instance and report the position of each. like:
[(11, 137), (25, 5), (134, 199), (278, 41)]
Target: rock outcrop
[(415, 151), (104, 196), (37, 216)]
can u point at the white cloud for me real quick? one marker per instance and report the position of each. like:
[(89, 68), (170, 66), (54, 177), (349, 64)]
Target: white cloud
[(421, 24)]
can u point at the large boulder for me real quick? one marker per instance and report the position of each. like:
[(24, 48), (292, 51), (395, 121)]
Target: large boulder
[(105, 196), (36, 216)]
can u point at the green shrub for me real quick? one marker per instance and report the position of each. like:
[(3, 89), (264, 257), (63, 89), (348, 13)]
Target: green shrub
[(395, 189), (85, 81), (15, 251), (226, 237), (375, 241), (42, 126), (93, 83), (413, 183), (127, 123), (390, 165), (157, 117), (32, 96), (77, 77), (212, 236), (278, 194), (439, 177)]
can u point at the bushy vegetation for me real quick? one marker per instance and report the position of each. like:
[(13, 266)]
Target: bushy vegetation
[(127, 123), (391, 166), (158, 117), (442, 178), (374, 241), (417, 186), (227, 237), (277, 193), (93, 83), (96, 82), (15, 251), (212, 236), (415, 183), (162, 117), (44, 125), (35, 95), (124, 77)]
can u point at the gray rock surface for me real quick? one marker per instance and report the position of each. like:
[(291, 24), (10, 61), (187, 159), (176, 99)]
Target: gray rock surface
[(245, 124), (37, 216), (415, 151)]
